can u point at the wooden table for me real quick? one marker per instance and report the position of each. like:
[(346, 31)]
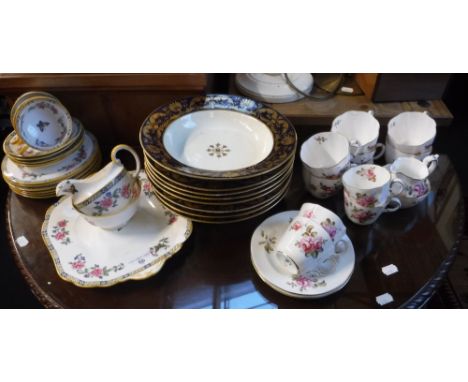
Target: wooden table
[(213, 270)]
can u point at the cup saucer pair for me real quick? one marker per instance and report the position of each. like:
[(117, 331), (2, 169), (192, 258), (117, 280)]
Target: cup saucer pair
[(262, 246)]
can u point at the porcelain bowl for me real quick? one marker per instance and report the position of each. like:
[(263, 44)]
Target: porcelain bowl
[(411, 132), (218, 140), (43, 123)]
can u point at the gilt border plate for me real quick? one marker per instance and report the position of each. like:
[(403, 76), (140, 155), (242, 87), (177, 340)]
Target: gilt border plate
[(154, 126)]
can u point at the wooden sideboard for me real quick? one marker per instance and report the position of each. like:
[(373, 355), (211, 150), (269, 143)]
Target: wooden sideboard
[(112, 106)]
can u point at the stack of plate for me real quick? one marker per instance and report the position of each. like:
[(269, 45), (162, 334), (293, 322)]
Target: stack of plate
[(218, 158), (34, 171)]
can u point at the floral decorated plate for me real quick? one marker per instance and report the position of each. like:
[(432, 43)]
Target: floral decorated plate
[(88, 256), (31, 176), (262, 247)]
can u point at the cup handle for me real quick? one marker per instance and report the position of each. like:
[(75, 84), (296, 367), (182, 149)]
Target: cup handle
[(400, 182), (341, 246), (380, 146), (431, 162), (118, 148), (393, 209)]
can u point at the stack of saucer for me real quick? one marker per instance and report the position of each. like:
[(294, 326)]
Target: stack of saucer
[(218, 158), (46, 147)]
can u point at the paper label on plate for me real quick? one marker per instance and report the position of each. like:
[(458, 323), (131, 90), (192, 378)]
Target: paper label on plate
[(22, 241), (389, 269), (384, 299)]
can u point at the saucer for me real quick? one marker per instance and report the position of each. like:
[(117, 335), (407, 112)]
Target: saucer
[(262, 247), (88, 256)]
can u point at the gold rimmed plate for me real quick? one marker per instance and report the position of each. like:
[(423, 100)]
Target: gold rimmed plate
[(154, 144)]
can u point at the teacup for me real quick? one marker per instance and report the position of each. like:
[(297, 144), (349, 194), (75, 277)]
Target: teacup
[(305, 247), (42, 122), (370, 184), (321, 188), (362, 131), (368, 215), (392, 153), (414, 173), (106, 192), (326, 155), (411, 132), (329, 221)]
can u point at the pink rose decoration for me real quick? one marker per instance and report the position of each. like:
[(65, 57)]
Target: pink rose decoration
[(147, 186), (296, 226), (126, 191), (106, 202), (62, 223), (96, 272), (302, 281), (59, 235), (78, 265), (366, 201), (309, 214), (310, 244), (172, 219)]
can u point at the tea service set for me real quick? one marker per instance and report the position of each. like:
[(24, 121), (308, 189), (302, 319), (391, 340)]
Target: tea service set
[(115, 224), (306, 253)]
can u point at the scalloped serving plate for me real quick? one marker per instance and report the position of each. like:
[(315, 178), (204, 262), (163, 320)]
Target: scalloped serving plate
[(89, 256)]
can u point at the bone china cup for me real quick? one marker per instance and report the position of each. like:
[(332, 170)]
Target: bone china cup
[(107, 192), (326, 154), (370, 184), (392, 153), (361, 215), (329, 221), (305, 247), (321, 188), (414, 173), (411, 132), (362, 131)]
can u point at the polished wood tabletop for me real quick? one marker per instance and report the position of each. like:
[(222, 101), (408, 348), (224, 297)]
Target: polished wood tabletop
[(214, 270)]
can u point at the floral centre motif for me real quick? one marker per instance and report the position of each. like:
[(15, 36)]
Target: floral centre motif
[(41, 125), (304, 282), (218, 150)]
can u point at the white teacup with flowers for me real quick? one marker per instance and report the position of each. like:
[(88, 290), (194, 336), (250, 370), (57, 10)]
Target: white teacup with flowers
[(306, 247)]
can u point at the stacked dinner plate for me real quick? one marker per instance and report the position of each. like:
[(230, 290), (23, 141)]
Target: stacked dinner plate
[(34, 164), (218, 158)]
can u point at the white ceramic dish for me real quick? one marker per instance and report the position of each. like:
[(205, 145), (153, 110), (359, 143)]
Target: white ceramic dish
[(262, 247), (43, 175), (88, 256), (43, 123), (218, 140)]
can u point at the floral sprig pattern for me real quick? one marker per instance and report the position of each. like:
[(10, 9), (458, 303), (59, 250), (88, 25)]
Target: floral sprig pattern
[(419, 189), (305, 282), (330, 227), (310, 242), (268, 242), (364, 200), (60, 232), (362, 216), (96, 271), (172, 216), (368, 173), (111, 198)]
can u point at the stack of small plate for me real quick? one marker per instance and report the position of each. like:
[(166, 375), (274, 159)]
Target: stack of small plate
[(218, 158), (34, 165)]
